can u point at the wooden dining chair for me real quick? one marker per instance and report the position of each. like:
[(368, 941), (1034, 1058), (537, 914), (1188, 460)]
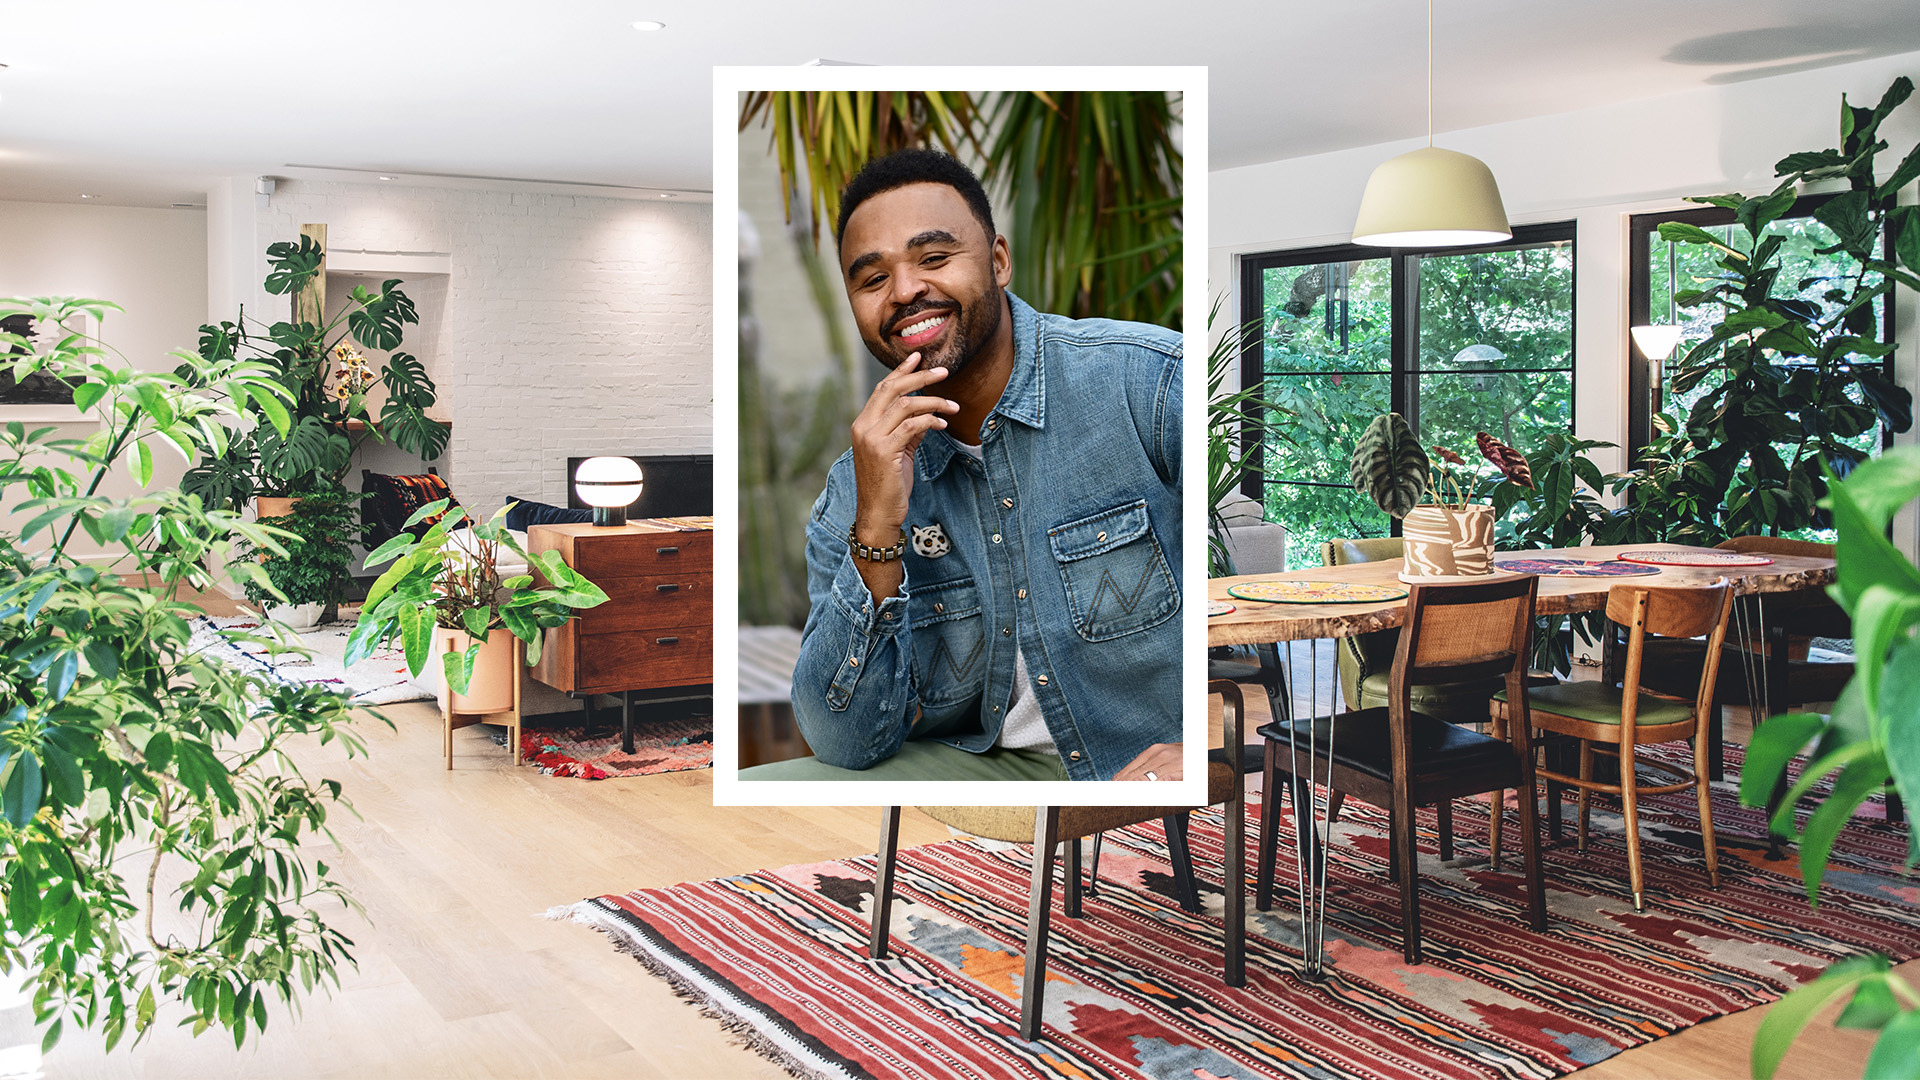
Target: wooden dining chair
[(1399, 758), (1047, 827), (1629, 715)]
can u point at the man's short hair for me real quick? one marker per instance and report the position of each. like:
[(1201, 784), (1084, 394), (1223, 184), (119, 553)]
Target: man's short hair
[(913, 166)]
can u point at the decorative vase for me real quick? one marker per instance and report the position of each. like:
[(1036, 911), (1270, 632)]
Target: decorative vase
[(490, 690), (295, 616), (1446, 543)]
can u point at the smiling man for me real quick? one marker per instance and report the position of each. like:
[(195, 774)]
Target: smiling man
[(993, 565)]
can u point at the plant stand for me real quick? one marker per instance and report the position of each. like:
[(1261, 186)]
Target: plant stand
[(453, 721)]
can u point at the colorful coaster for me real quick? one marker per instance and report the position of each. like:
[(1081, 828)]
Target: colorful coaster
[(1695, 558), (1573, 567), (1315, 592), (1219, 607)]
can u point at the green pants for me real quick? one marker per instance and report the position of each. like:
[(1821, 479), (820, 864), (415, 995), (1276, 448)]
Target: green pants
[(923, 760)]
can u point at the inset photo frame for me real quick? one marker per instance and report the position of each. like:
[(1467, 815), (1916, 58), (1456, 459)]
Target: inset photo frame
[(961, 426)]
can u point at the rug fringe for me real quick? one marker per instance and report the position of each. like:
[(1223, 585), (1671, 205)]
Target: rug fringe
[(745, 1033)]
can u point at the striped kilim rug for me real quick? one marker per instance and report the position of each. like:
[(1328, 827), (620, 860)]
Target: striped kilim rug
[(1135, 990)]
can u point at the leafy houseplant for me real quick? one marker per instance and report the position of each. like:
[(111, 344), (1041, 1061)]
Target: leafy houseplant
[(1802, 378), (314, 565), (1235, 422), (300, 441), (1872, 736), (440, 581), (1447, 537), (127, 758)]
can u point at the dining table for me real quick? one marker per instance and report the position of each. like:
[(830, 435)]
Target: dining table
[(1572, 580)]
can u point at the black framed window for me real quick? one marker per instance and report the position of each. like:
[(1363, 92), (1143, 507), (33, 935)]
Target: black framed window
[(1458, 340), (1658, 269)]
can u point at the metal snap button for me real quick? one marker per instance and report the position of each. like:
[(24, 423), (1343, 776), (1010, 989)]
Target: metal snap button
[(1075, 756), (853, 661), (1023, 594), (1008, 503), (991, 424), (996, 538), (888, 615), (938, 608), (1042, 680), (1102, 536), (1006, 631)]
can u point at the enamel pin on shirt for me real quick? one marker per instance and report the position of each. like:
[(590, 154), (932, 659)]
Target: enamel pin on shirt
[(930, 542)]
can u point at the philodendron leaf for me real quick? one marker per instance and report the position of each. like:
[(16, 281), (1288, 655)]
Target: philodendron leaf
[(1773, 744), (458, 666), (1783, 1022), (1389, 465), (1858, 781)]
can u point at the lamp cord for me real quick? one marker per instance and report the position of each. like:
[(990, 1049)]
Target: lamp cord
[(1429, 74)]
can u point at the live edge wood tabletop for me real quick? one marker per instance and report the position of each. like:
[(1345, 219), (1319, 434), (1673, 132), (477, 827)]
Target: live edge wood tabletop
[(656, 628)]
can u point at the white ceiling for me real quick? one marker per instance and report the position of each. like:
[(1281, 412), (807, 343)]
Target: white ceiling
[(142, 102)]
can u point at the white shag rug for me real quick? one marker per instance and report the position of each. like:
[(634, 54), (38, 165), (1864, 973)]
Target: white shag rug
[(380, 679)]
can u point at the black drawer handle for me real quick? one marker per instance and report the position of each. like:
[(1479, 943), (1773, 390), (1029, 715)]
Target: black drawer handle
[(666, 641), (666, 588), (666, 551)]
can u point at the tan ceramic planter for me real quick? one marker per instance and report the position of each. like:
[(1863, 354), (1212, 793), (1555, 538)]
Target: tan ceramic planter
[(267, 506), (1445, 543), (491, 688)]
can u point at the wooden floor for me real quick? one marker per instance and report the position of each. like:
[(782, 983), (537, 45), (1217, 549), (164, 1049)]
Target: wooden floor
[(461, 976)]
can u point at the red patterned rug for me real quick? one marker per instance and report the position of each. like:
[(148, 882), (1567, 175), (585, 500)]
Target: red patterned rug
[(659, 746), (1135, 990)]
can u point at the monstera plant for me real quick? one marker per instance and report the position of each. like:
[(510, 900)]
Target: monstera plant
[(302, 441)]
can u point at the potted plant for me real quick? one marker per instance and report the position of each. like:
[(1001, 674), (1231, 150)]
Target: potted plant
[(444, 596), (1452, 536), (138, 777), (305, 576)]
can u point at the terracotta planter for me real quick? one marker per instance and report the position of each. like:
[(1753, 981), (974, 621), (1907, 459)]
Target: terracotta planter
[(491, 688), (268, 506), (1447, 543)]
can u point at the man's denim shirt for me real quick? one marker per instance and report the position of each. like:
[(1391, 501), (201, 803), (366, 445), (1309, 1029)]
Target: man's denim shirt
[(1065, 542)]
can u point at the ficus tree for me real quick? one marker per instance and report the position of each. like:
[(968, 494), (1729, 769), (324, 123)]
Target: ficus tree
[(136, 774)]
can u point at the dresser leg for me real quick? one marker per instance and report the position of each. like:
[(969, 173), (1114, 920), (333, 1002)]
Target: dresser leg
[(626, 721)]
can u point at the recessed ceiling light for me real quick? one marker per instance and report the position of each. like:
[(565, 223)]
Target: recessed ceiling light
[(649, 24), (386, 178), (84, 195), (668, 195)]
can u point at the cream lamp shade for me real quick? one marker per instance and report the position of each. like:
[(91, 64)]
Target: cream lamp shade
[(1431, 197), (609, 485), (1656, 342)]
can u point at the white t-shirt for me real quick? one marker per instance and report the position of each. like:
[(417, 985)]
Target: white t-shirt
[(1025, 727)]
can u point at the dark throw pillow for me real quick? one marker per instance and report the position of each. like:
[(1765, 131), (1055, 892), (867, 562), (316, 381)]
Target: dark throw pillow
[(526, 512), (393, 501)]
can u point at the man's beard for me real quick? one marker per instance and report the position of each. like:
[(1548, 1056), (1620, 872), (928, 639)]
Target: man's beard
[(973, 326)]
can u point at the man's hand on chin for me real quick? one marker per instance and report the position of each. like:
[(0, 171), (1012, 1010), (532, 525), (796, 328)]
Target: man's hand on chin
[(1161, 761)]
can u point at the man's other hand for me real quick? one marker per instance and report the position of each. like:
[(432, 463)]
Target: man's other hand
[(1161, 761)]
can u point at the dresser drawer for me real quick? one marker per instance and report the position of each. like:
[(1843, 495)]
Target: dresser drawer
[(676, 657), (622, 554), (640, 603)]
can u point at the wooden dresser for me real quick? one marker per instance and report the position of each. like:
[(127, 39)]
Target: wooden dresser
[(656, 629)]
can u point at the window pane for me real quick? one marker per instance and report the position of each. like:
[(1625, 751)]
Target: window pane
[(1328, 316), (1518, 408), (1323, 418), (1498, 309), (1313, 515)]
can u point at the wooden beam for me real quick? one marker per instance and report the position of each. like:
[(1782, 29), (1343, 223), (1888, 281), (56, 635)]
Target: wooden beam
[(310, 303)]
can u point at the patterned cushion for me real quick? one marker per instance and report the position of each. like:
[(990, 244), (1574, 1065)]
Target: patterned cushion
[(393, 501)]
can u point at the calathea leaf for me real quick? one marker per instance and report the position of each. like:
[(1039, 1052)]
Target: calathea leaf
[(1389, 466)]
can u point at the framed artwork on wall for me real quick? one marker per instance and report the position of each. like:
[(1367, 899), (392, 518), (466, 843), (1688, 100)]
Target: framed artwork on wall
[(39, 396)]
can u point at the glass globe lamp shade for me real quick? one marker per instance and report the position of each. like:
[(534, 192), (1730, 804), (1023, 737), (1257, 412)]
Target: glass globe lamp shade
[(609, 485)]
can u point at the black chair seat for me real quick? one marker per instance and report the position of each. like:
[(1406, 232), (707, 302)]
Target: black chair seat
[(1360, 743)]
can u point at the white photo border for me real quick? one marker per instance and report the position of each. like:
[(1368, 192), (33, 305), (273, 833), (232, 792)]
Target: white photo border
[(728, 789)]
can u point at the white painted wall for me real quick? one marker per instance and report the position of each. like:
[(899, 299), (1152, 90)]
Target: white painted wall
[(1596, 166), (153, 263)]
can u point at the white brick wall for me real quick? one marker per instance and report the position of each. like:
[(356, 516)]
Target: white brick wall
[(572, 325)]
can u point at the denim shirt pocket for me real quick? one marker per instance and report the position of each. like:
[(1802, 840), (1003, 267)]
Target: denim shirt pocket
[(949, 644), (1116, 576)]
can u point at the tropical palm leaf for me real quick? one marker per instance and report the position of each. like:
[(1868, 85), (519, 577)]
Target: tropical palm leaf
[(1389, 466)]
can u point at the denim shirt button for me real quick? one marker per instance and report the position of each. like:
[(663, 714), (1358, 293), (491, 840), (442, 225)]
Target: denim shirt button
[(853, 661), (1042, 680), (991, 424), (996, 538), (1075, 756), (938, 608), (1008, 503), (1023, 594), (1006, 631)]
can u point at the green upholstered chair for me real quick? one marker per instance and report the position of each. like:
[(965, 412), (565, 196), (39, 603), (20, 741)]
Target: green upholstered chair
[(1366, 660), (1047, 827)]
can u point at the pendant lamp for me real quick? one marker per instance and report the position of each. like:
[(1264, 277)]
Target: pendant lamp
[(1431, 197)]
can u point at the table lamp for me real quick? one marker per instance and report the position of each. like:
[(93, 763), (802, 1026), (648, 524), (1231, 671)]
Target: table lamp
[(609, 485)]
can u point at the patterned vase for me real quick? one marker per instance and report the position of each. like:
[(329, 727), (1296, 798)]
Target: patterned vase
[(1448, 542)]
